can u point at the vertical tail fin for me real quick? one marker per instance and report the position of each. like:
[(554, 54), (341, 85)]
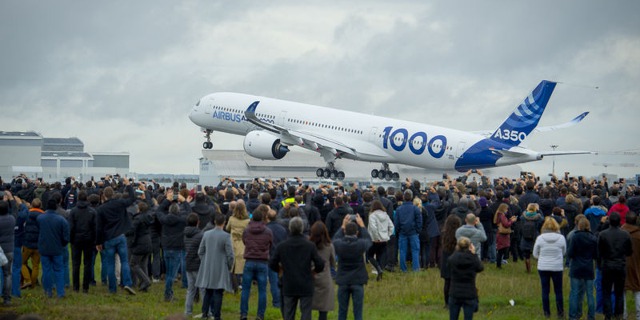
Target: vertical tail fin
[(525, 117)]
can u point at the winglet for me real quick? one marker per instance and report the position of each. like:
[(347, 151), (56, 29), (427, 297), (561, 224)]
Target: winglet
[(573, 122), (525, 117)]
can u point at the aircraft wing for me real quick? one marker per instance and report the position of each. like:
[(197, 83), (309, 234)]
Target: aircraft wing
[(571, 123), (564, 153), (312, 139)]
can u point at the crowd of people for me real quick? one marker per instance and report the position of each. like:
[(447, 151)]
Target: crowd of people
[(299, 239)]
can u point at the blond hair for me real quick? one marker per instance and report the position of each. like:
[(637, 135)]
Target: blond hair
[(550, 224)]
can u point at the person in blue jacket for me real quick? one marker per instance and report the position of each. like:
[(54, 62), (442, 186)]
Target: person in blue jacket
[(52, 241)]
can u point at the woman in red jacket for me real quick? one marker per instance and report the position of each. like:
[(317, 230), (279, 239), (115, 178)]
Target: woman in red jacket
[(621, 208), (503, 236)]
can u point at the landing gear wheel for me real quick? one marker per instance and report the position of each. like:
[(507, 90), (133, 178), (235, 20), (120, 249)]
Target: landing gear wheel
[(374, 173), (395, 176), (388, 175), (340, 175), (319, 172), (207, 145), (333, 175), (381, 174), (326, 173)]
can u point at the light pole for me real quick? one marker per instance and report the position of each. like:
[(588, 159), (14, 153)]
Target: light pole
[(553, 168)]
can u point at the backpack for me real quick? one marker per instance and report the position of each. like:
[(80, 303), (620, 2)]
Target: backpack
[(529, 229)]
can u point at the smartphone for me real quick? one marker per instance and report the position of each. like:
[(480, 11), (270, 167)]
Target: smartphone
[(621, 180), (139, 193), (444, 176), (474, 171), (199, 188)]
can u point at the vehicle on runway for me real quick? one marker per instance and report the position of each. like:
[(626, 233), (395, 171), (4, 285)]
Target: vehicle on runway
[(272, 126)]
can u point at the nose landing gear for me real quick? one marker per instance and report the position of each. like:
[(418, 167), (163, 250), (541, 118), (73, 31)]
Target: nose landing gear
[(207, 144)]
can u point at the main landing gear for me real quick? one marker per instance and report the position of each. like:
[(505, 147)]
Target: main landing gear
[(330, 172), (207, 144), (385, 173)]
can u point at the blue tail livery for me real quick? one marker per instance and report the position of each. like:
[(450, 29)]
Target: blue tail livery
[(525, 117)]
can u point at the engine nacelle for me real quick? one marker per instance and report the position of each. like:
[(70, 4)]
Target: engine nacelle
[(264, 145)]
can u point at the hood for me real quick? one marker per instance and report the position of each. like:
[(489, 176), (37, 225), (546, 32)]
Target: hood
[(82, 204), (200, 208), (256, 227), (190, 232), (550, 237), (341, 211), (464, 260)]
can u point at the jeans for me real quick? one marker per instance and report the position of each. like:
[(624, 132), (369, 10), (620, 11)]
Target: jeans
[(81, 253), (424, 254), (436, 251), (111, 247), (414, 242), (356, 292), (545, 280), (172, 260), (191, 292), (52, 273), (613, 280), (30, 277), (212, 301), (468, 306), (156, 263), (291, 303), (580, 287), (392, 252), (6, 277), (254, 271), (15, 271), (65, 266), (275, 290)]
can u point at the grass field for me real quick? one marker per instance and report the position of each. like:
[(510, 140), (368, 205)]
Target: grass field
[(397, 296)]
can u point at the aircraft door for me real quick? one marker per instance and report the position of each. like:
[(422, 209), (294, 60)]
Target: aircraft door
[(460, 150), (283, 118), (374, 134)]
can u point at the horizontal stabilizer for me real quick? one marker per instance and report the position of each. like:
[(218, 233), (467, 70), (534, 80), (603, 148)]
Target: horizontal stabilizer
[(573, 122), (565, 153)]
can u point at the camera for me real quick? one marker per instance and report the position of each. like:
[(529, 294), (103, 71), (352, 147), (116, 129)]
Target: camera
[(474, 171), (444, 176), (352, 217), (175, 197), (139, 193), (523, 173)]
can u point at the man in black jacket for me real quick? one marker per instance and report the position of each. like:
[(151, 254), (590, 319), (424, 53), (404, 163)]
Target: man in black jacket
[(173, 221), (82, 223), (112, 223), (295, 258), (350, 243), (614, 246)]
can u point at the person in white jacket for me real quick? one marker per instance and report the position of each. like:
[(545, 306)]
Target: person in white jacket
[(380, 229), (550, 248)]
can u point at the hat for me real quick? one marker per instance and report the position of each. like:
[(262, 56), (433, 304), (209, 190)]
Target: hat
[(482, 202)]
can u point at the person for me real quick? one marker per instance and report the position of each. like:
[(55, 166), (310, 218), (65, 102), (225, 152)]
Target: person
[(351, 242), (621, 208), (216, 261), (82, 222), (531, 223), (236, 225), (173, 221), (380, 228), (296, 258), (335, 216), (503, 237), (279, 234), (550, 248), (473, 230), (408, 221), (323, 293), (52, 240), (449, 242), (7, 227), (112, 222), (141, 246), (30, 246), (257, 240), (632, 281), (192, 239), (463, 264), (614, 245), (582, 250)]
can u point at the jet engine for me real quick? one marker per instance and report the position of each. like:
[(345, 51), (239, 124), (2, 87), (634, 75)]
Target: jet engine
[(264, 145)]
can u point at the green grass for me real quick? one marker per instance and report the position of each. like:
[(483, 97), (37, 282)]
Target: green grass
[(397, 296)]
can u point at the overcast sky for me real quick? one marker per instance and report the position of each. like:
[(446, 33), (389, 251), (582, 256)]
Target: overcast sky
[(123, 75)]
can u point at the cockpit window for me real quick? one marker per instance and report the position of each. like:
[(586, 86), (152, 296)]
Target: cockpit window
[(198, 103)]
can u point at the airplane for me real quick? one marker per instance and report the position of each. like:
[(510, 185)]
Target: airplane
[(272, 126)]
